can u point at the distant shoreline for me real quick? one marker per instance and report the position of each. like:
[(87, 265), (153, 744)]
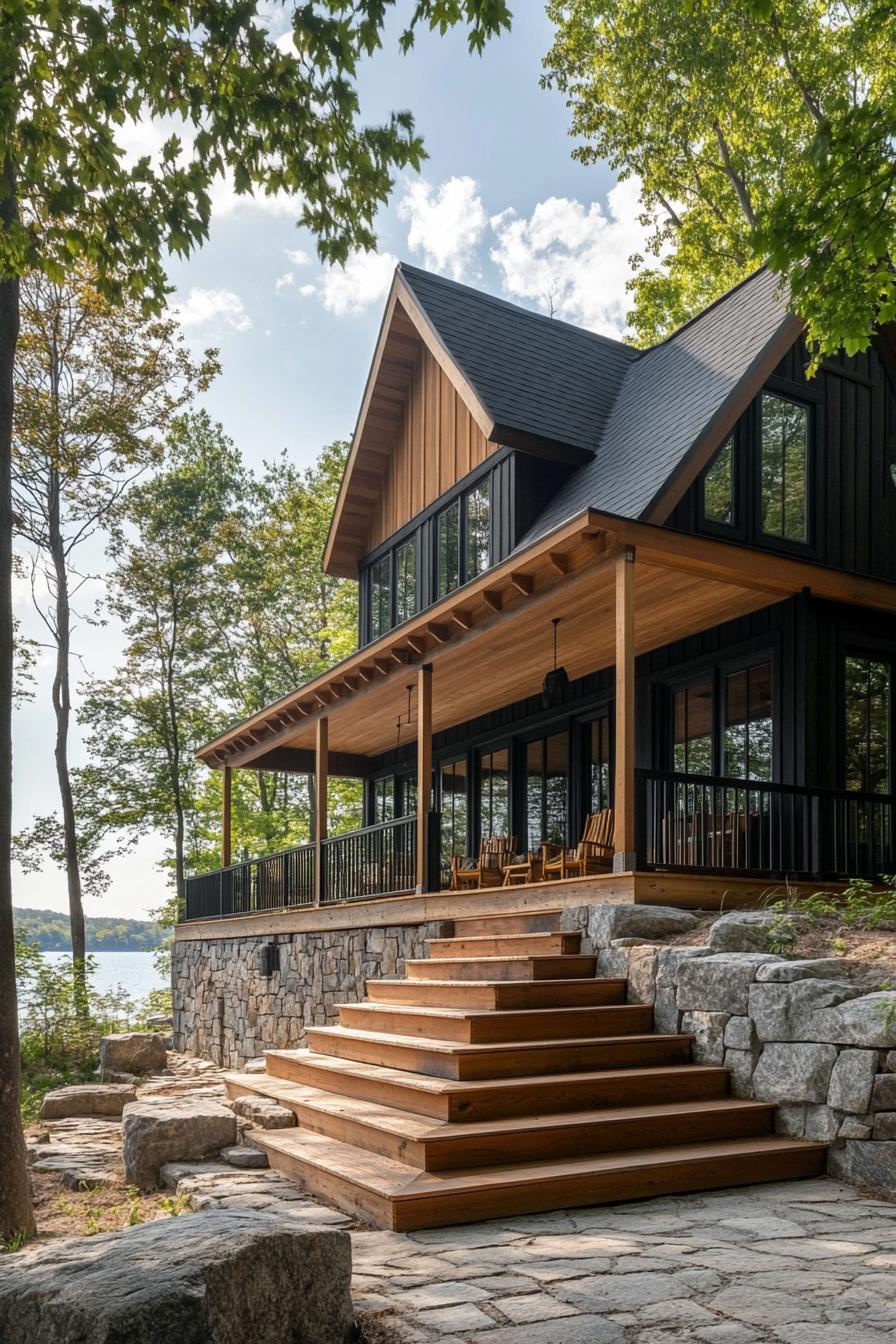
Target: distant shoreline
[(49, 930)]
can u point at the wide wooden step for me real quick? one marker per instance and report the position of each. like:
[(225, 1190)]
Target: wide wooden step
[(432, 1145), (505, 945), (521, 921), (499, 1059), (493, 1099), (499, 995), (502, 968), (396, 1195), (474, 1026)]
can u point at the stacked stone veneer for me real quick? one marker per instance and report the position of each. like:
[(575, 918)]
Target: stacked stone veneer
[(227, 1009), (815, 1036)]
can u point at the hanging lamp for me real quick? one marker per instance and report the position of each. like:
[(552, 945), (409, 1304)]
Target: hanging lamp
[(556, 681)]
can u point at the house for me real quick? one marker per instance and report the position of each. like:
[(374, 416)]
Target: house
[(643, 599), (705, 539)]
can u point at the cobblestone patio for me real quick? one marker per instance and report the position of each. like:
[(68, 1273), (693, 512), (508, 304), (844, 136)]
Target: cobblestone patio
[(812, 1262)]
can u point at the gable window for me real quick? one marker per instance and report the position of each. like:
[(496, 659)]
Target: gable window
[(448, 541), (381, 597), (406, 581), (478, 542), (784, 466), (692, 710), (867, 724), (718, 486), (749, 723)]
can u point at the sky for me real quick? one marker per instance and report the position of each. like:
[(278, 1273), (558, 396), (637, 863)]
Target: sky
[(500, 204)]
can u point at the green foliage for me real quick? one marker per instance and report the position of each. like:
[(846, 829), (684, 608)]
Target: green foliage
[(861, 905), (239, 103), (781, 933), (758, 132), (14, 1243), (49, 931)]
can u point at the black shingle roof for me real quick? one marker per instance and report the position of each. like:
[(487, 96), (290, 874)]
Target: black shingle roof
[(531, 373), (669, 396)]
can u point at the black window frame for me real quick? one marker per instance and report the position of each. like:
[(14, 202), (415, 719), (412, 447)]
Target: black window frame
[(868, 652), (717, 672), (734, 526), (772, 540), (461, 501)]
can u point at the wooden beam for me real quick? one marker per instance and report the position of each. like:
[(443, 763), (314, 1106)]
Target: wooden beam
[(226, 798), (301, 761), (440, 633), (462, 618), (492, 599), (417, 643), (424, 769), (321, 770), (523, 583), (400, 655), (624, 793), (559, 562)]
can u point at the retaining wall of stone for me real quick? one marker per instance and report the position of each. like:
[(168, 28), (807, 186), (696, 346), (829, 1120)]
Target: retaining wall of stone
[(816, 1037)]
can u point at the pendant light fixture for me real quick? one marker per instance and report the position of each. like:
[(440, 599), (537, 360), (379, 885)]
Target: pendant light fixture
[(556, 681)]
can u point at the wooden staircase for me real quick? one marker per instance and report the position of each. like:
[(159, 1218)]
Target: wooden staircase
[(502, 1078)]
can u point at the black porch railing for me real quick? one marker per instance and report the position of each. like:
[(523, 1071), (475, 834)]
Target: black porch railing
[(376, 861), (712, 824)]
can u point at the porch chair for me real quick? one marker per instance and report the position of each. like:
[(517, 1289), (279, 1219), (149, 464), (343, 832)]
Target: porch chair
[(494, 854), (593, 854)]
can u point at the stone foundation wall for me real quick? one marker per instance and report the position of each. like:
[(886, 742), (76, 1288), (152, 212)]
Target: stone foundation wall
[(227, 1009)]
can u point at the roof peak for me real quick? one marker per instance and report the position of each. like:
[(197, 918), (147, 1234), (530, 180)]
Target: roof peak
[(407, 269)]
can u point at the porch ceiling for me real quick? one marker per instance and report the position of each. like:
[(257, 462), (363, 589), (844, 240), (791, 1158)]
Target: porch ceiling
[(490, 643)]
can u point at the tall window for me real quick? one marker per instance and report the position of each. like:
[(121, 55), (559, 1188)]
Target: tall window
[(867, 725), (478, 540), (692, 729), (494, 793), (547, 787), (599, 763), (749, 720), (406, 581), (381, 597), (453, 807), (448, 561), (383, 799), (718, 486), (784, 468)]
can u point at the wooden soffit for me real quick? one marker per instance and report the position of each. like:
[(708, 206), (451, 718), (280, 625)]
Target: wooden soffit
[(489, 644)]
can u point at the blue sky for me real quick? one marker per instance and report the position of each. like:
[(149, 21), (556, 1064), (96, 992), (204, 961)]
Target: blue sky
[(500, 204)]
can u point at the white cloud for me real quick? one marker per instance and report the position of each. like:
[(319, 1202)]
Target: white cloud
[(286, 281), (445, 223), (298, 256), (573, 257), (307, 290), (364, 280), (212, 309)]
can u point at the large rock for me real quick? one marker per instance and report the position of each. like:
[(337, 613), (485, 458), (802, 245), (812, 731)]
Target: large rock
[(606, 922), (743, 931), (221, 1277), (883, 1094), (86, 1099), (794, 1072), (132, 1052), (865, 1163), (852, 1081), (811, 968), (830, 1011), (173, 1130), (718, 983), (708, 1031), (263, 1112)]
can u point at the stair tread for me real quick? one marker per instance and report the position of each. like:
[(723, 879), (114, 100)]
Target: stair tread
[(508, 937), (461, 1014), (510, 956), (503, 984), (418, 1127), (397, 1181), (437, 1046)]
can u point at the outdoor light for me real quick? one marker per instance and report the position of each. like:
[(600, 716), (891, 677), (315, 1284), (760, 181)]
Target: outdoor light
[(556, 681)]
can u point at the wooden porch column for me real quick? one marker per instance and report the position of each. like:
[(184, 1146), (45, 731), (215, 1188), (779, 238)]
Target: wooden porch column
[(424, 769), (624, 859), (226, 817), (321, 761)]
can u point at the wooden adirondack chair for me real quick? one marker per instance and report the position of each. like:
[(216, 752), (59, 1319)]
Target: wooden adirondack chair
[(593, 854), (494, 854)]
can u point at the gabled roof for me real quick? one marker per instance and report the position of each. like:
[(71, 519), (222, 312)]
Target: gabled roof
[(677, 402), (532, 374)]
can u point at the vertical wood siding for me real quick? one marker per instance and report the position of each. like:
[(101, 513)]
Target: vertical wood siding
[(437, 444)]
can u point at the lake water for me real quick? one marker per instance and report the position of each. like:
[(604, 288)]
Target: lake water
[(134, 971)]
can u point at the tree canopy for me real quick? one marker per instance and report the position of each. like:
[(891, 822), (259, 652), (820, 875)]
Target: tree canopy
[(763, 131)]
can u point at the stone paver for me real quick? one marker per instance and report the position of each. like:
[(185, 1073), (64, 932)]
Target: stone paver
[(809, 1262)]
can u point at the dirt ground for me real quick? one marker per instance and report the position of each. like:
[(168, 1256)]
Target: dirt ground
[(83, 1213), (824, 937)]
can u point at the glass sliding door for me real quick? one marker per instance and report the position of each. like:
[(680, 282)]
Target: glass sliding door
[(600, 764), (494, 793), (749, 724), (692, 736), (547, 790), (454, 807), (867, 726)]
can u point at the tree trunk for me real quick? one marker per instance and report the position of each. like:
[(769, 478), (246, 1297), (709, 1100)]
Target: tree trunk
[(16, 1213), (62, 707), (174, 753)]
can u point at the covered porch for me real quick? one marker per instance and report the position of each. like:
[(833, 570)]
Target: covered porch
[(618, 590)]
